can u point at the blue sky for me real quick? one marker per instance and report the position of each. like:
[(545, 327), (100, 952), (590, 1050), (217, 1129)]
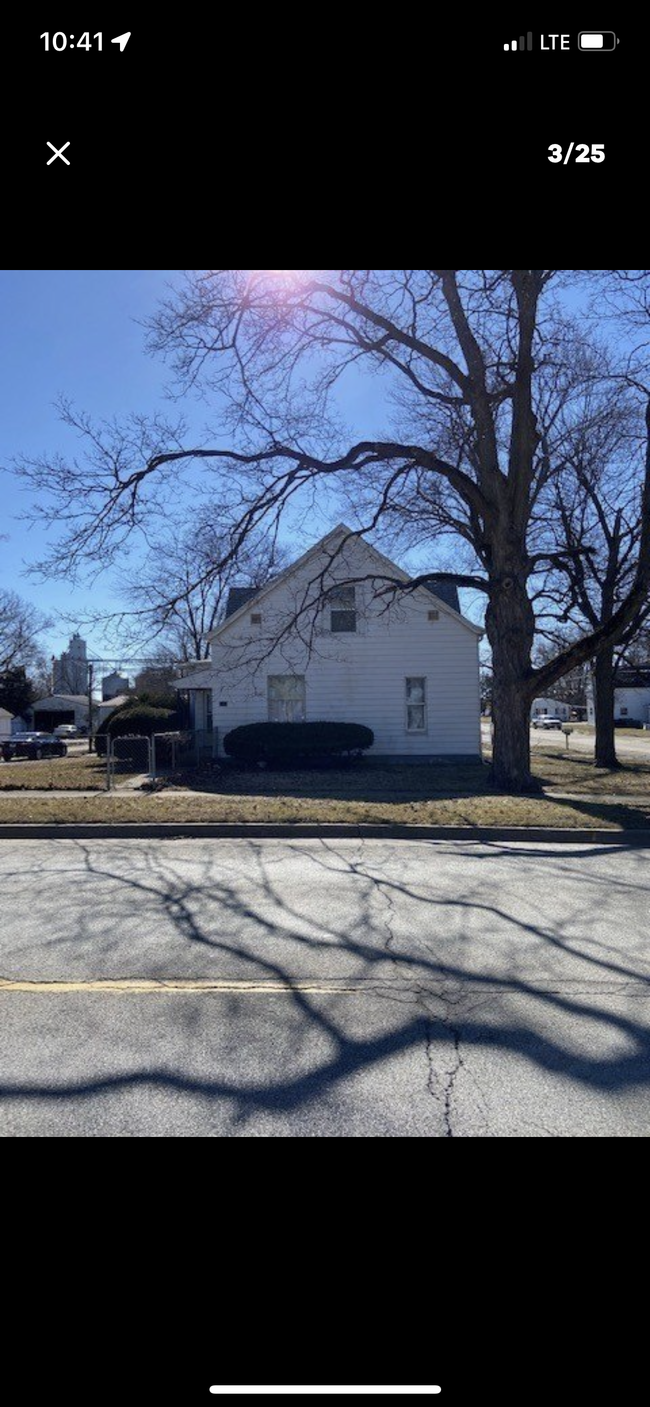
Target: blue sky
[(76, 333), (73, 333)]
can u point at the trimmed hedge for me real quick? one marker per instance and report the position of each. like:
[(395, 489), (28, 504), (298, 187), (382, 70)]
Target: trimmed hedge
[(279, 744), (131, 719)]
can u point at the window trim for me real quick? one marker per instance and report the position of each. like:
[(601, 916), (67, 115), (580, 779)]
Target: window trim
[(342, 601), (416, 732), (303, 679)]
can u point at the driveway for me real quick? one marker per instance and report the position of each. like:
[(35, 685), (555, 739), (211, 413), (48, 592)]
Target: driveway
[(324, 989)]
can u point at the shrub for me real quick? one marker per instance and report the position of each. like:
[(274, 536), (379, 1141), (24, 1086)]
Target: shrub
[(280, 744), (628, 723), (131, 719)]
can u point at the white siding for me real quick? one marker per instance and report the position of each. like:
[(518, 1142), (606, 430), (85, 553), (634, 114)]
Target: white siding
[(355, 678), (550, 708), (636, 701)]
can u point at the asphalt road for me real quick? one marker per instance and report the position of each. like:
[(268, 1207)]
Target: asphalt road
[(323, 989), (629, 742)]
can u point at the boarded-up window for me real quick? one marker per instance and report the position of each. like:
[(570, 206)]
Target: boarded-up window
[(416, 704), (342, 603), (286, 698)]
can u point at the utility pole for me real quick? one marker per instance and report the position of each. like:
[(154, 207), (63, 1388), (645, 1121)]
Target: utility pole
[(90, 705)]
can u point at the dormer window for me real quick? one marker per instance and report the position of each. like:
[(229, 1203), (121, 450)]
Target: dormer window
[(341, 602)]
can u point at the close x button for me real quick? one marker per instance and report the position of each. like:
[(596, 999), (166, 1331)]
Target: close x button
[(58, 153)]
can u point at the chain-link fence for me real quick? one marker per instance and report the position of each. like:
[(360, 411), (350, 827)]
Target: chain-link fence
[(127, 758), (159, 756), (174, 752)]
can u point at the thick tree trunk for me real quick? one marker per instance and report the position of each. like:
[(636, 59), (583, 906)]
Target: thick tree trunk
[(605, 755), (510, 629)]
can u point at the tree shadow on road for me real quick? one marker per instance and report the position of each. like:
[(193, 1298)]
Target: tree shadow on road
[(444, 960)]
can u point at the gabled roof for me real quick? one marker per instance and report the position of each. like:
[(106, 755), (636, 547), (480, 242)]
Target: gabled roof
[(446, 591), (239, 596), (384, 566), (67, 698)]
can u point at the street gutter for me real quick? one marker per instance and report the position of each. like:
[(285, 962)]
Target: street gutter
[(213, 831)]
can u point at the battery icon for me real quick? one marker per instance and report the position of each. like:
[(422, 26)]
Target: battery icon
[(597, 41)]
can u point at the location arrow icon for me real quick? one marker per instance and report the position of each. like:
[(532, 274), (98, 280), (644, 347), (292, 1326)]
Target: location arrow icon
[(122, 40)]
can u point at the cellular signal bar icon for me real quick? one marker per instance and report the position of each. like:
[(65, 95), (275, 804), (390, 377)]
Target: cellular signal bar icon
[(525, 42)]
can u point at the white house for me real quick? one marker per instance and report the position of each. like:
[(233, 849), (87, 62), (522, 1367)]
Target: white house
[(5, 723), (631, 696), (550, 708), (330, 639)]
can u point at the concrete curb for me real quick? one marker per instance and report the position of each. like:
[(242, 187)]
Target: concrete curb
[(207, 831)]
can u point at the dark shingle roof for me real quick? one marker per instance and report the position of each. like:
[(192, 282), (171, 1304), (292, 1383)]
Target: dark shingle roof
[(239, 596), (446, 591), (631, 678)]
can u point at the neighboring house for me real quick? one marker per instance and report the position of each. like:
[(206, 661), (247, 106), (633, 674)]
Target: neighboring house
[(323, 640), (550, 708), (46, 714), (5, 723), (102, 710), (631, 696)]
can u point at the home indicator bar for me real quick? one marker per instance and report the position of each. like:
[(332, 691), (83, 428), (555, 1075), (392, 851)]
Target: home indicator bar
[(324, 1391)]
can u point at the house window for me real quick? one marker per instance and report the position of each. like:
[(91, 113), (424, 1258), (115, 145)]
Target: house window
[(256, 620), (286, 698), (343, 617), (623, 713), (416, 705), (433, 615)]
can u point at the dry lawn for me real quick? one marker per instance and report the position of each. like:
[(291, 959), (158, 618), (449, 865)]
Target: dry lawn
[(84, 772), (441, 811)]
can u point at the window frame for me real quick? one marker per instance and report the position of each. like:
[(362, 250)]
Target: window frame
[(342, 601), (424, 705), (303, 700)]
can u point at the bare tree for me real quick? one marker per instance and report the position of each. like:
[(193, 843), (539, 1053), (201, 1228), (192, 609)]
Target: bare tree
[(468, 348), (180, 589), (21, 624), (592, 514)]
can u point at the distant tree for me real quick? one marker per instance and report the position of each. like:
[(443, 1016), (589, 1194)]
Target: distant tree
[(596, 525), (178, 592), (16, 691), (153, 686), (21, 624)]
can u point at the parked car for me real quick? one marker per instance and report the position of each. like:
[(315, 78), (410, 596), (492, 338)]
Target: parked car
[(66, 730), (33, 745), (546, 722)]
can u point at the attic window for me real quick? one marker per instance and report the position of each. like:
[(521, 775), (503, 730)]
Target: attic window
[(256, 619), (433, 615), (343, 618)]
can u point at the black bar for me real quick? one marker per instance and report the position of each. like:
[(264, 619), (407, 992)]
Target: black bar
[(521, 42), (530, 42)]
